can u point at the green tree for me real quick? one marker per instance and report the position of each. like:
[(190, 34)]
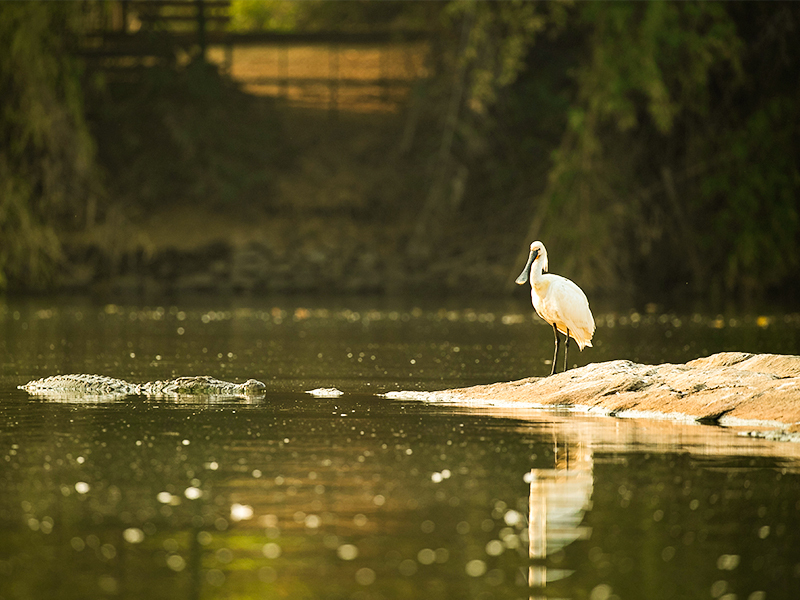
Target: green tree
[(484, 51), (645, 77), (47, 170)]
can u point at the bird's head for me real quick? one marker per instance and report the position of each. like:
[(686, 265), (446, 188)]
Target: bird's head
[(538, 253)]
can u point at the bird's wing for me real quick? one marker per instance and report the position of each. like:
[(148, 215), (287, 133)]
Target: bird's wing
[(568, 304)]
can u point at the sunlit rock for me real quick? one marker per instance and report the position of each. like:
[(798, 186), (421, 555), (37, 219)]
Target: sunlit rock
[(731, 388)]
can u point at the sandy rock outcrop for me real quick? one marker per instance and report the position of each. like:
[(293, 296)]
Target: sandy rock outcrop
[(732, 388)]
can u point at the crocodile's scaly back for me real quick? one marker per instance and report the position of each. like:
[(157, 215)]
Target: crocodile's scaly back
[(203, 385), (99, 385), (88, 384)]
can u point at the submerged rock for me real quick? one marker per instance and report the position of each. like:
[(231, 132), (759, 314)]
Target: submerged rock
[(730, 388)]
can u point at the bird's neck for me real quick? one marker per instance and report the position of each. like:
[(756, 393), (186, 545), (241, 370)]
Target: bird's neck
[(536, 271)]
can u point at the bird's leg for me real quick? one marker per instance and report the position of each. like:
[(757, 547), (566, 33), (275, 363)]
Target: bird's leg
[(566, 352), (555, 356)]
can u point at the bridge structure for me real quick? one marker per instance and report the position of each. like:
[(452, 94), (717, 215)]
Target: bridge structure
[(336, 70)]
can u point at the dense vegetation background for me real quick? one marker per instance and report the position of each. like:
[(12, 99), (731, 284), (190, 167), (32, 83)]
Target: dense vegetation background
[(651, 146)]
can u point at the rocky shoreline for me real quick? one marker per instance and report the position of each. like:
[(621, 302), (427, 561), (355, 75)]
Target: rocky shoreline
[(759, 394)]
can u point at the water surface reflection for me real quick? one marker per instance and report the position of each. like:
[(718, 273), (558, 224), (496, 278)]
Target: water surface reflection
[(360, 496)]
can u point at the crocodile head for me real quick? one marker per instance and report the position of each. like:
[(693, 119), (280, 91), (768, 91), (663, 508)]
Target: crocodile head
[(253, 387)]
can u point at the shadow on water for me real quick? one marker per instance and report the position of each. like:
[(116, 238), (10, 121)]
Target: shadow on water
[(362, 497)]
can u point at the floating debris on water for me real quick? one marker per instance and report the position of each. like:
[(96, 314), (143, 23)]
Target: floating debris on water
[(325, 393)]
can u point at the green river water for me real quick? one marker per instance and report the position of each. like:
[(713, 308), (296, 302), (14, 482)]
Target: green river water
[(362, 497)]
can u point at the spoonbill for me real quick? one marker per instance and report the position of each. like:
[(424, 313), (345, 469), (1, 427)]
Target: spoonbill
[(558, 301)]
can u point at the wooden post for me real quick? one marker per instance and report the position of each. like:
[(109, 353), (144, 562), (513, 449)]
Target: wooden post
[(333, 78), (283, 70), (201, 29), (383, 67), (123, 25)]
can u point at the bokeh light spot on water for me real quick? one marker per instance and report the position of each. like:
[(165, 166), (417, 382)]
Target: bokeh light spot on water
[(718, 588), (347, 552), (365, 576), (82, 487), (312, 521), (407, 567), (176, 562), (271, 550), (108, 584), (133, 535), (514, 518), (241, 512), (204, 538), (475, 568), (728, 562), (495, 548), (601, 592), (77, 544), (224, 555), (193, 493), (108, 551), (511, 540), (426, 556)]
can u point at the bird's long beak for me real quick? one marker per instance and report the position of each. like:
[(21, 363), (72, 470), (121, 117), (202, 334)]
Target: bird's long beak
[(523, 277)]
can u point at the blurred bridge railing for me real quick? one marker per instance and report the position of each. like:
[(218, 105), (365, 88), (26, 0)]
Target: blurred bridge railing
[(363, 72)]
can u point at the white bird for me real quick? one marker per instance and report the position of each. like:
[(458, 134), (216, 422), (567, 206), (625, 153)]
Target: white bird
[(558, 301)]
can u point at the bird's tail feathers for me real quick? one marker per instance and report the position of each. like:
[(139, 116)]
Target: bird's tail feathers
[(581, 343)]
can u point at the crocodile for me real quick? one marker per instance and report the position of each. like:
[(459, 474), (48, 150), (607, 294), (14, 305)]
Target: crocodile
[(102, 386)]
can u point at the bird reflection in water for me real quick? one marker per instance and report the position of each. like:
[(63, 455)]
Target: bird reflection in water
[(559, 498)]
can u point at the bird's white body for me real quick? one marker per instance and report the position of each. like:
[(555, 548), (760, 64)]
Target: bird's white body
[(562, 303), (558, 300)]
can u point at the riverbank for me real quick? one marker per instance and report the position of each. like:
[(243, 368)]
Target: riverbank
[(305, 203), (192, 250), (758, 393)]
